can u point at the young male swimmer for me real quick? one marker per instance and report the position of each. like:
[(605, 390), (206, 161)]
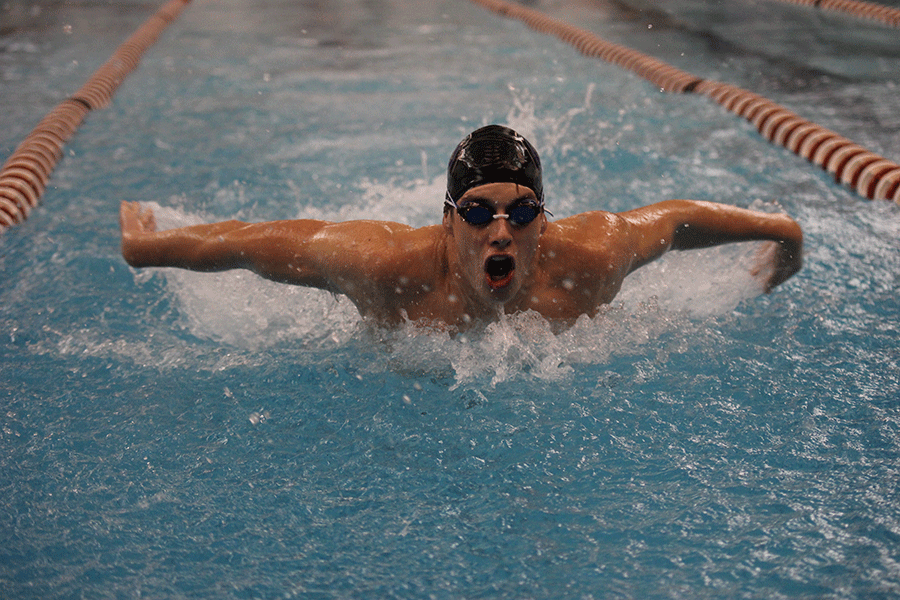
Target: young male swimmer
[(495, 251)]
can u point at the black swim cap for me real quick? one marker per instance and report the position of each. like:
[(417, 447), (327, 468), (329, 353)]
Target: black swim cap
[(493, 154)]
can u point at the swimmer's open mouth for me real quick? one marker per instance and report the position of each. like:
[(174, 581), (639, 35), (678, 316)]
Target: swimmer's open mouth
[(499, 270)]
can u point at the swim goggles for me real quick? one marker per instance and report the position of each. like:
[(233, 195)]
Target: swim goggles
[(480, 215)]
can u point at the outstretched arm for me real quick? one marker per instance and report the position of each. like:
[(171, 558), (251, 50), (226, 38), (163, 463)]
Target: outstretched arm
[(686, 224), (280, 250)]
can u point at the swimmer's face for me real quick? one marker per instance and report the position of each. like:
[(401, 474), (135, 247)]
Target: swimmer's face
[(495, 259)]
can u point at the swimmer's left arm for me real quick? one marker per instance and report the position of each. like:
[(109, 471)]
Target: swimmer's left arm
[(687, 224), (274, 250), (350, 257)]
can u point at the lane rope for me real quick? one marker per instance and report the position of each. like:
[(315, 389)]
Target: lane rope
[(886, 15), (868, 174), (25, 174)]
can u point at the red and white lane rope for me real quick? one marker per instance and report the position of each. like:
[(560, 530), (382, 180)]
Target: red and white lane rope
[(864, 10), (25, 174), (870, 175)]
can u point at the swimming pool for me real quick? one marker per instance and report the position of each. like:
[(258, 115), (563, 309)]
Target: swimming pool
[(169, 434)]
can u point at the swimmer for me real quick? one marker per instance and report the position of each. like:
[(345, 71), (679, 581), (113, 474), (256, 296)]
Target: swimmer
[(494, 252)]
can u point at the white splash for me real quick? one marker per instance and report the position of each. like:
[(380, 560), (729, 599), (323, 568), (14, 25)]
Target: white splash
[(242, 310)]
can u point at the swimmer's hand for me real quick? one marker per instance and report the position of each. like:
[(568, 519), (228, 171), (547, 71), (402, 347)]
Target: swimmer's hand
[(776, 262), (136, 223), (135, 220)]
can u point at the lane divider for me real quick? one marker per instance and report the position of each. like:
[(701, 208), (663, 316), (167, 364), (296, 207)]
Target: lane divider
[(25, 174), (886, 15), (868, 174)]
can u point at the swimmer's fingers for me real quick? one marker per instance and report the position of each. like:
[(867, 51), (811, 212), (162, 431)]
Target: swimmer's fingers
[(148, 220), (135, 219), (776, 262), (788, 260), (763, 264), (129, 216)]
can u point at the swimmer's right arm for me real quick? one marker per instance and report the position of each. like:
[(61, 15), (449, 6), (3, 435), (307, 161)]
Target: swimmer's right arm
[(687, 224), (277, 250)]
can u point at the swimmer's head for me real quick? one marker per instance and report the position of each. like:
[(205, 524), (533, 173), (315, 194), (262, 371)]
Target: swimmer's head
[(493, 154)]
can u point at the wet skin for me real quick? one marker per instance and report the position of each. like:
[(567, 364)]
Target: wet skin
[(493, 262), (455, 274)]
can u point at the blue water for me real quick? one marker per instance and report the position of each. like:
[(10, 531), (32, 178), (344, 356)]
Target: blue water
[(168, 434)]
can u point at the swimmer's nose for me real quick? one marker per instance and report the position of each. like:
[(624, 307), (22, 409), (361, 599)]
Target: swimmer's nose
[(501, 236)]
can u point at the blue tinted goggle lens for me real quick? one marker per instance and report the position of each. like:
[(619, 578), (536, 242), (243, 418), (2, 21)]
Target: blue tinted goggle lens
[(476, 214)]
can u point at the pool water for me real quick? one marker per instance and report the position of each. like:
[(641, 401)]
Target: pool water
[(168, 434)]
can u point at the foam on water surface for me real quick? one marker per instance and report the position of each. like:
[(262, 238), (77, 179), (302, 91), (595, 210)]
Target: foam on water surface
[(243, 310)]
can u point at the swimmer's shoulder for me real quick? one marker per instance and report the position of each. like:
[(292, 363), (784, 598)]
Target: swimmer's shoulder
[(412, 268), (405, 239), (585, 230), (369, 260), (593, 243), (384, 235), (393, 247)]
